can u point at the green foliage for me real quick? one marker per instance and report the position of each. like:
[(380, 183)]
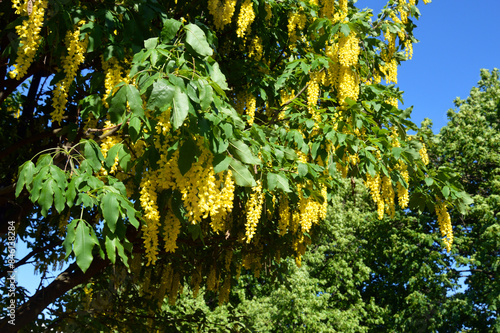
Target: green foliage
[(470, 145), (161, 89)]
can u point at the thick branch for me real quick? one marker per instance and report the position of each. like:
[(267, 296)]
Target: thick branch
[(29, 140), (68, 279), (24, 260)]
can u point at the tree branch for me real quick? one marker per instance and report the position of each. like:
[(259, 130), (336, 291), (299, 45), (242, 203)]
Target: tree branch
[(67, 280)]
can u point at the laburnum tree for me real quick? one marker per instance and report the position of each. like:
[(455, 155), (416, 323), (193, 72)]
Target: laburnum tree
[(190, 140)]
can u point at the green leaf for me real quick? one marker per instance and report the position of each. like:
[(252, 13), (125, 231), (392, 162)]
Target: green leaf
[(445, 191), (71, 191), (272, 181), (130, 212), (110, 210), (170, 28), (196, 41), (59, 176), (396, 152), (134, 100), (187, 155), (25, 176), (243, 153), (110, 248), (121, 252), (278, 181), (93, 154), (429, 181), (134, 128), (161, 96), (46, 196), (85, 199), (70, 237), (59, 198), (218, 77), (302, 169), (241, 175), (181, 108), (151, 43), (221, 162), (83, 245), (205, 94), (117, 106), (112, 153)]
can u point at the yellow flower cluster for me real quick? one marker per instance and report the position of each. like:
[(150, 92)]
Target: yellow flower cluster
[(106, 144), (113, 76), (313, 94), (300, 245), (348, 84), (444, 222), (285, 97), (269, 12), (296, 20), (403, 196), (309, 211), (224, 290), (196, 280), (349, 50), (171, 230), (163, 125), (394, 137), (388, 195), (390, 71), (204, 193), (327, 8), (393, 101), (284, 215), (423, 154), (29, 35), (245, 18), (342, 72), (148, 199), (408, 49), (374, 185), (174, 289), (256, 49), (253, 211), (341, 15), (212, 279), (222, 11), (76, 55), (251, 103)]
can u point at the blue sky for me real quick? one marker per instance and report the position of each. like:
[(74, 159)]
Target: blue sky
[(457, 39)]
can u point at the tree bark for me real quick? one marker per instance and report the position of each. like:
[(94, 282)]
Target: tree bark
[(67, 280)]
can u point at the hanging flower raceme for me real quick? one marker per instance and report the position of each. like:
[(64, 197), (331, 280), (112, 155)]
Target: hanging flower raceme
[(151, 215), (29, 35), (254, 211), (114, 75), (444, 222), (245, 18), (76, 55)]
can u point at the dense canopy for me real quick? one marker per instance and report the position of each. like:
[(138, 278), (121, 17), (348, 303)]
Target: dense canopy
[(188, 140)]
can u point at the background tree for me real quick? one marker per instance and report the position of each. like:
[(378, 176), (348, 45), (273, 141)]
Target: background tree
[(183, 141), (470, 144)]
